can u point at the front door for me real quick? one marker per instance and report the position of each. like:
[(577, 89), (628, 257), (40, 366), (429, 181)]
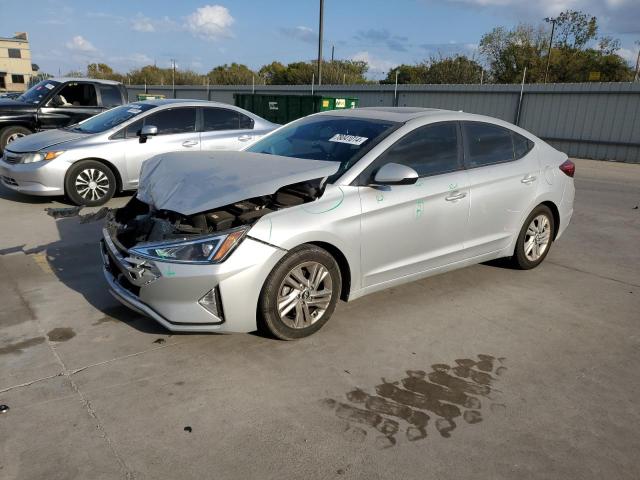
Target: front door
[(503, 173), (70, 104), (176, 133), (409, 229)]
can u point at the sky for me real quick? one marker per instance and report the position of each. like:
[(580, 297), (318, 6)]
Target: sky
[(66, 35)]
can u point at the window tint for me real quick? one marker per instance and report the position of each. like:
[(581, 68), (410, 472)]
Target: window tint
[(110, 96), (133, 128), (173, 120), (521, 145), (223, 119), (487, 144), (14, 53), (429, 150)]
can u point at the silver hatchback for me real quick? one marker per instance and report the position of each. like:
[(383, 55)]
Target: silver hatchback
[(92, 160), (333, 206)]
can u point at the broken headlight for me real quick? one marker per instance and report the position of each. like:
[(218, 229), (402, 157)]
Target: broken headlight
[(212, 249)]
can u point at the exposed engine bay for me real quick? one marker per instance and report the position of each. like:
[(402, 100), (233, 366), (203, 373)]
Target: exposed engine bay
[(137, 222)]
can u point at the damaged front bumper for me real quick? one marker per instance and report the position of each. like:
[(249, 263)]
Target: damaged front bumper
[(191, 298)]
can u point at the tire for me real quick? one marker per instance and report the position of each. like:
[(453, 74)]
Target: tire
[(9, 134), (303, 260), (90, 183), (535, 239)]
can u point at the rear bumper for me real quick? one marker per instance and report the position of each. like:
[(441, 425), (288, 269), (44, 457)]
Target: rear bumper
[(39, 178), (169, 293)]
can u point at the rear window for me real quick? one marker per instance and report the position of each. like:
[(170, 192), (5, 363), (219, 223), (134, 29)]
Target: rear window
[(110, 96), (224, 119), (323, 137)]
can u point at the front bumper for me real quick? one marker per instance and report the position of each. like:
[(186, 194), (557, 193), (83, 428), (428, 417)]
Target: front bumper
[(38, 178), (169, 292)]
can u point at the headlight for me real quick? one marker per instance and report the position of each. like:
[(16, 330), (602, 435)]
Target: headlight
[(40, 156), (213, 249)]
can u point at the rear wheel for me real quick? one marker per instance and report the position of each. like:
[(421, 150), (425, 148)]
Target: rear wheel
[(301, 293), (535, 239), (90, 183), (10, 134)]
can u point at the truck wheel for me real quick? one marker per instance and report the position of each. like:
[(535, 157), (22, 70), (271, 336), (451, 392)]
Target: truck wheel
[(90, 183), (9, 134)]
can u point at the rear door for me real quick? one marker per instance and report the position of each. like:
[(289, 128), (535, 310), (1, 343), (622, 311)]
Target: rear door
[(71, 103), (176, 133), (409, 229), (225, 129), (503, 173)]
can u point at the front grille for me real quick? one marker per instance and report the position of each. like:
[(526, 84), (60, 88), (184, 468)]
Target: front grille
[(9, 181), (11, 158)]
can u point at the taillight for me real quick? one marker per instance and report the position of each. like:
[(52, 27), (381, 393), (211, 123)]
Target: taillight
[(568, 168)]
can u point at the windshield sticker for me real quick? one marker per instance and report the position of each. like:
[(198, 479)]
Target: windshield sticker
[(350, 139), (135, 111), (49, 86)]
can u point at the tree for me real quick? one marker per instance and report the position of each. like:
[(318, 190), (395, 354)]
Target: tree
[(103, 71), (438, 70), (234, 74)]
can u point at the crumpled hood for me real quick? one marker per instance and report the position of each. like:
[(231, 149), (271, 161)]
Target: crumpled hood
[(194, 182), (40, 140)]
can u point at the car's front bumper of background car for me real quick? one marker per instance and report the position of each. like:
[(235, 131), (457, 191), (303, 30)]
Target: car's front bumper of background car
[(192, 298), (38, 178)]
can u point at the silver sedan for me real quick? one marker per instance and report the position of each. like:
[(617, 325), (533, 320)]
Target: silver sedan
[(333, 206), (92, 160)]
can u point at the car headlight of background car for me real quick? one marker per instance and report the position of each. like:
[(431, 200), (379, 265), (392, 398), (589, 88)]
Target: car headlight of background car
[(40, 156), (204, 250)]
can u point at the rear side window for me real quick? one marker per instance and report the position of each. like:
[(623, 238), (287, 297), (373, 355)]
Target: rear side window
[(429, 150), (486, 144), (223, 119), (110, 96), (173, 120), (521, 145)]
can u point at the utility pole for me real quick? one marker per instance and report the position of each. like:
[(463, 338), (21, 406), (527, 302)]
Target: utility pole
[(320, 33), (173, 77), (332, 51), (553, 27), (637, 76)]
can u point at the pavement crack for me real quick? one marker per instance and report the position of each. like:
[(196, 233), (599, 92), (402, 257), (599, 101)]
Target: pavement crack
[(604, 277)]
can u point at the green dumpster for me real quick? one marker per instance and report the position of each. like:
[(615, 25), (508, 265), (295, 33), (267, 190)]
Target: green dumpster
[(150, 96), (285, 108)]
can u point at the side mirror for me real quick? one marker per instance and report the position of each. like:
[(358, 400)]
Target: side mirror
[(147, 131), (395, 174)]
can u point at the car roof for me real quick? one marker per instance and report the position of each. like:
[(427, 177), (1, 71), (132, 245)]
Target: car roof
[(187, 102), (82, 79), (394, 114)]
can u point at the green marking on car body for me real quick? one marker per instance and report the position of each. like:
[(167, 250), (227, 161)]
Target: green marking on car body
[(328, 209), (169, 272), (419, 208), (453, 186), (380, 197)]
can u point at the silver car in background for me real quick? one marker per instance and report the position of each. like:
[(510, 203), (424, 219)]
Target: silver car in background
[(92, 160), (333, 206)]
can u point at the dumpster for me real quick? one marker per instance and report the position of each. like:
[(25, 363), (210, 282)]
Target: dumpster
[(150, 96), (285, 108)]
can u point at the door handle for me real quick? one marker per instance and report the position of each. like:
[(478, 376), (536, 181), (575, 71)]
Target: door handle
[(189, 143), (245, 138), (455, 196), (528, 179)]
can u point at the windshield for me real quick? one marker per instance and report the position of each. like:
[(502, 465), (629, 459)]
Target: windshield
[(40, 90), (111, 118), (323, 137)]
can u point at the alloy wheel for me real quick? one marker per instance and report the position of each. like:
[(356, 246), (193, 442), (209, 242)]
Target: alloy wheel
[(304, 295), (14, 136), (536, 240), (92, 184)]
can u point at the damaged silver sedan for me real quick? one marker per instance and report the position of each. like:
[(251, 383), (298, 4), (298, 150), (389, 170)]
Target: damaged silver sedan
[(333, 206)]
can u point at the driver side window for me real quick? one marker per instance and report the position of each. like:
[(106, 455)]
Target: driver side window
[(429, 150), (75, 94)]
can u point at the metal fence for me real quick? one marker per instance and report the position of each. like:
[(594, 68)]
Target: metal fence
[(586, 120)]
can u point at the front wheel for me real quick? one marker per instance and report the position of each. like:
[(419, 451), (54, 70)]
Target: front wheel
[(90, 183), (300, 294), (10, 134), (535, 239)]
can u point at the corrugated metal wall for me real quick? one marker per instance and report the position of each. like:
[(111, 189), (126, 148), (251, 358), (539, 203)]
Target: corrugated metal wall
[(587, 120)]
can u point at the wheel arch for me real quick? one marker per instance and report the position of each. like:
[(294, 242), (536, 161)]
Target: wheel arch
[(343, 264), (106, 163), (556, 216)]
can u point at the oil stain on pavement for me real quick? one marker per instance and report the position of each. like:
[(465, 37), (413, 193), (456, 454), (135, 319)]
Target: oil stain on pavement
[(441, 397), (61, 334), (18, 347)]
